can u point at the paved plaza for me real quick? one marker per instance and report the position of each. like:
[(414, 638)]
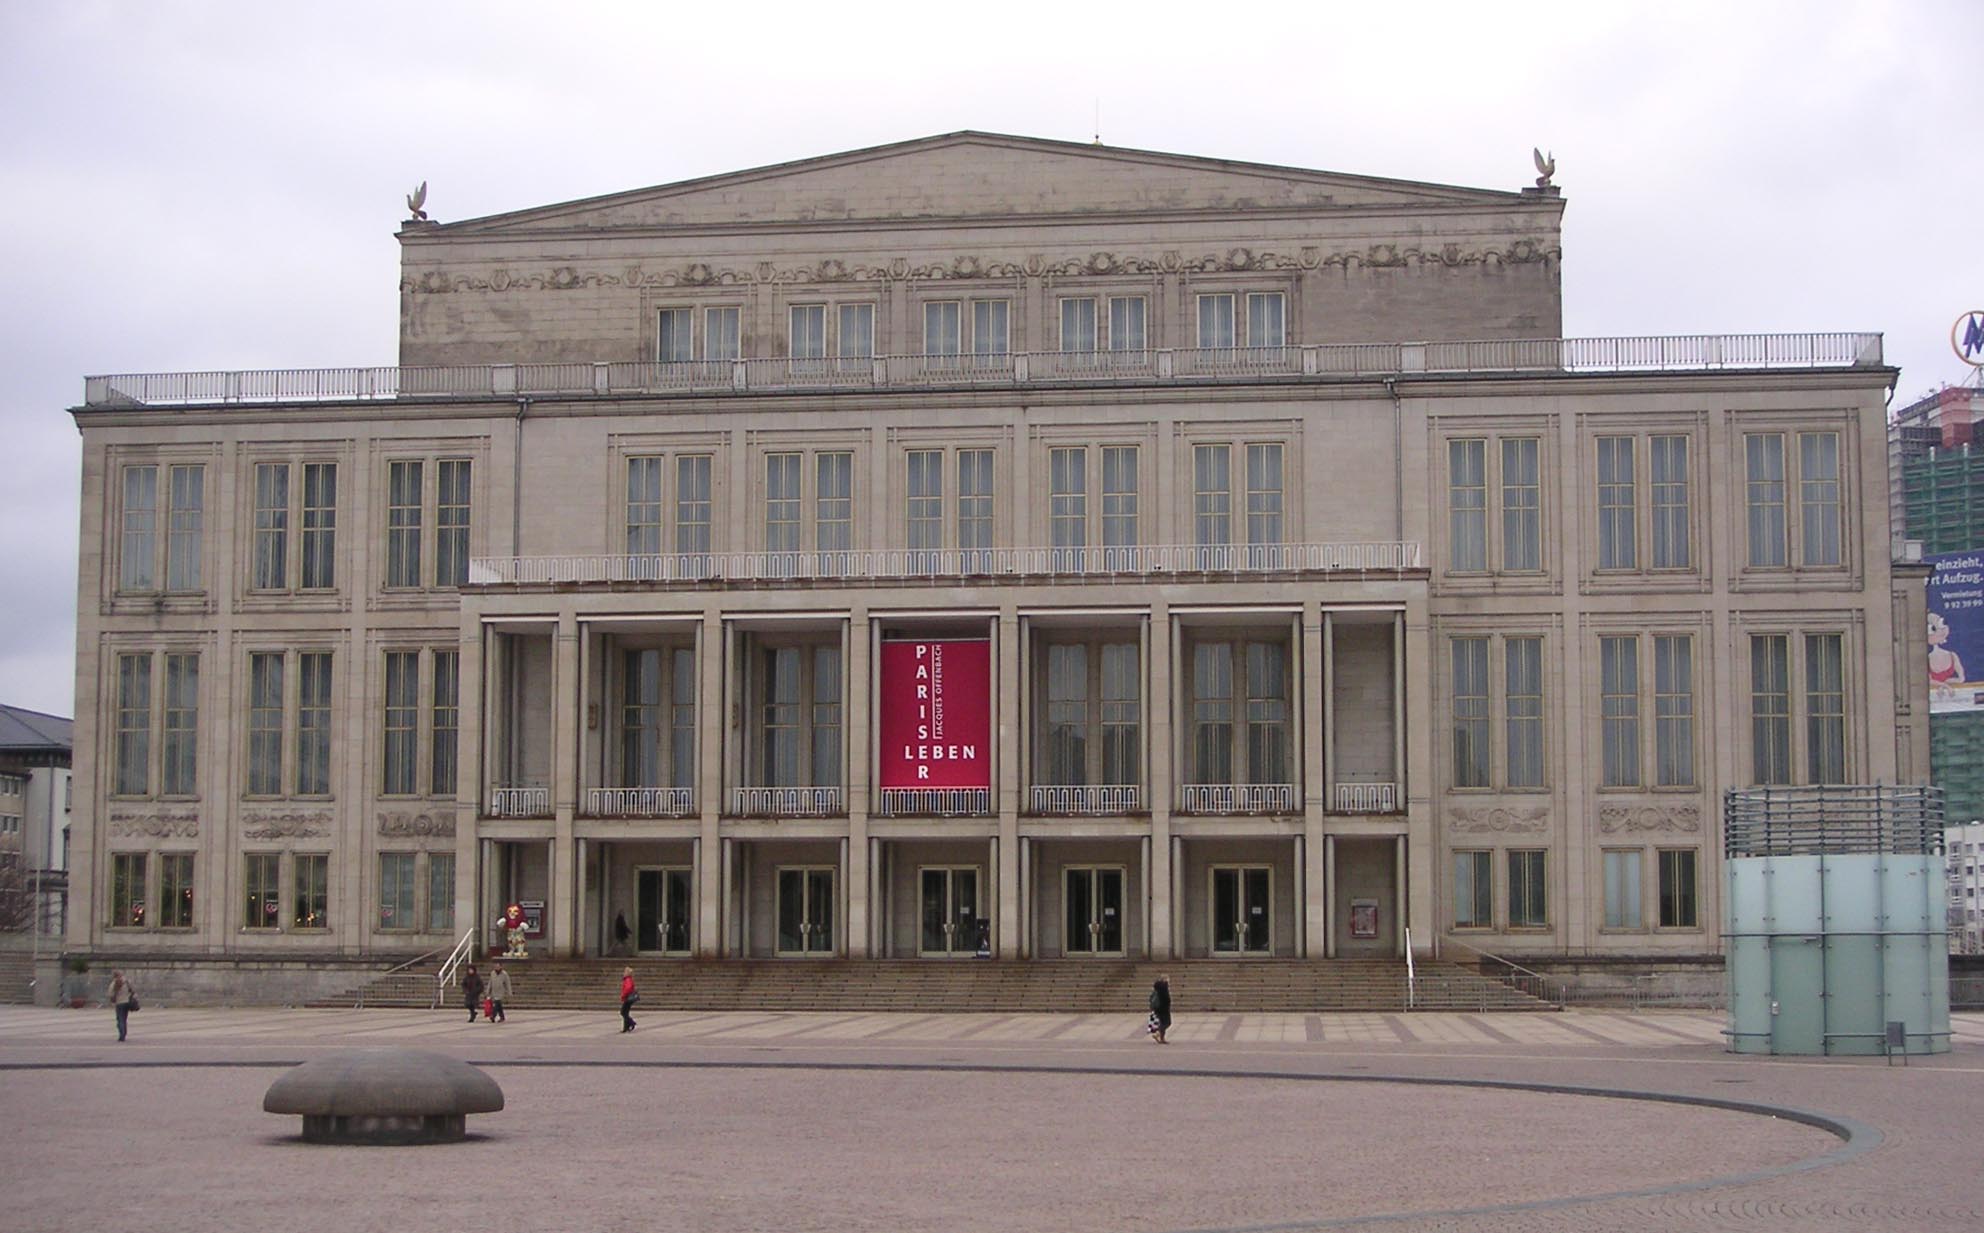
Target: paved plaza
[(740, 1121)]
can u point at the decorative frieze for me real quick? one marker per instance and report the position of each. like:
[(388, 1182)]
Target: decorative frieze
[(403, 825), (167, 825), (1498, 819), (1683, 817), (289, 825)]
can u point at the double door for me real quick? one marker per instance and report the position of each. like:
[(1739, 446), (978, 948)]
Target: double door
[(806, 911), (1093, 899), (663, 910), (951, 911), (1242, 910)]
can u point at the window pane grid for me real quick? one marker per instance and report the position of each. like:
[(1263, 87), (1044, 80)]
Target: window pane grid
[(185, 518), (692, 504), (182, 717), (1119, 496), (320, 525), (923, 513), (1672, 537), (1528, 906), (1522, 504), (1764, 494), (833, 513), (1467, 504), (1818, 495), (1474, 894), (643, 506), (1524, 702), (1677, 889), (1622, 890), (1212, 495), (1264, 492), (1825, 709), (1770, 708), (1126, 323), (175, 890), (396, 890), (782, 503), (809, 331), (261, 879), (1618, 530), (313, 723), (451, 511), (1470, 717), (403, 487), (271, 566), (446, 721), (139, 540), (265, 710), (402, 722), (974, 499), (1674, 710), (311, 907), (1619, 707), (134, 724), (1266, 320)]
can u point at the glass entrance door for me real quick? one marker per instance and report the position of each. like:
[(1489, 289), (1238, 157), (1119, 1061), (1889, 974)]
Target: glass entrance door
[(806, 911), (1094, 899), (1242, 913), (950, 912), (662, 911)]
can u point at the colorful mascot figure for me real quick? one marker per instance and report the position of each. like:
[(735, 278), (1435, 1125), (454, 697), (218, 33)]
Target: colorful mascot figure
[(513, 925)]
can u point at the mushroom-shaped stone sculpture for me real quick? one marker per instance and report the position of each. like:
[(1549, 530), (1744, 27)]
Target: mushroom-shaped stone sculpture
[(384, 1096)]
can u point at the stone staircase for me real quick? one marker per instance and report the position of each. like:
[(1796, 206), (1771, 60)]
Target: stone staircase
[(925, 986), (16, 977)]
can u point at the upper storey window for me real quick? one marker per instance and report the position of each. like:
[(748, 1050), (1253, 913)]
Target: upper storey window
[(427, 521), (148, 557), (1520, 488), (980, 329), (1090, 325), (676, 339), (1264, 324), (852, 337), (296, 509), (1787, 525), (1648, 523)]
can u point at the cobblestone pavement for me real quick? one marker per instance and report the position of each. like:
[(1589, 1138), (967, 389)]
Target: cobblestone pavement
[(996, 1123)]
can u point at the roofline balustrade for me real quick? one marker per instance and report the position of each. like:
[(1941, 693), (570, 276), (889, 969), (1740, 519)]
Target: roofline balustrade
[(1170, 366)]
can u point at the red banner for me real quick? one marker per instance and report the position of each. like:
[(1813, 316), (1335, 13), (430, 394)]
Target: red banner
[(936, 715)]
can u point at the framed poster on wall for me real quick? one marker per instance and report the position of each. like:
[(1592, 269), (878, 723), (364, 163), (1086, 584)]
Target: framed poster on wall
[(1363, 918)]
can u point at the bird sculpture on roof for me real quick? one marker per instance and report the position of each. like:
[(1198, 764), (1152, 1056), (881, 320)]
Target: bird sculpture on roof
[(416, 200), (1545, 163)]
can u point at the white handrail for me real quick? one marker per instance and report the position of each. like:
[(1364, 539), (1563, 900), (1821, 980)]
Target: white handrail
[(446, 976), (1411, 974)]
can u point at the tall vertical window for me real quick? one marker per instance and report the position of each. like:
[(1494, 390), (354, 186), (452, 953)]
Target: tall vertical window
[(185, 519), (782, 502), (675, 337), (451, 507), (826, 717), (923, 513), (1094, 714), (133, 725), (1232, 745), (1470, 717), (271, 560), (313, 723), (138, 546), (311, 908), (1524, 702), (320, 525), (1825, 709), (1119, 496), (1474, 890), (1067, 714), (692, 504), (1619, 709), (403, 510), (1674, 710), (991, 335), (1770, 708), (440, 892), (1078, 325), (809, 331), (1618, 526), (1622, 889), (721, 337), (1267, 323), (445, 718), (265, 707), (1672, 534), (1529, 906), (185, 513), (1818, 498), (402, 723), (261, 884), (800, 716), (857, 331), (643, 507), (396, 890), (658, 716), (1522, 504), (180, 769), (833, 501), (1764, 496), (127, 890), (1212, 712), (1677, 889), (1267, 713), (1122, 714), (1067, 503), (975, 507), (1264, 494), (175, 890), (1212, 495), (682, 718), (942, 328), (1467, 504), (1126, 323), (1215, 322)]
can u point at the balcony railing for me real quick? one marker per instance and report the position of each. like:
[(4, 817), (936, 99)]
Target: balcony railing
[(788, 802), (1086, 800), (1219, 798), (640, 802), (906, 565), (520, 802), (1365, 798), (1673, 353), (934, 802)]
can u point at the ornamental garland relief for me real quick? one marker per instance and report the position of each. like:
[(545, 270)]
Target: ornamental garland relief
[(1481, 819), (154, 825), (1632, 819), (400, 825), (898, 269), (285, 825)]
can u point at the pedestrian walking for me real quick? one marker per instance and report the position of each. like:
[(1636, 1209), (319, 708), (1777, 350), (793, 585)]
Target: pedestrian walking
[(124, 1000), (628, 996), (499, 992), (1160, 1010), (472, 991), (621, 933)]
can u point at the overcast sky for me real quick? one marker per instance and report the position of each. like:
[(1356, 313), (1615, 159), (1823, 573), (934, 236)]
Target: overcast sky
[(203, 186)]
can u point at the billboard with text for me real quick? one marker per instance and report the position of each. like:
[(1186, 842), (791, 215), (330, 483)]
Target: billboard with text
[(935, 728), (1956, 633)]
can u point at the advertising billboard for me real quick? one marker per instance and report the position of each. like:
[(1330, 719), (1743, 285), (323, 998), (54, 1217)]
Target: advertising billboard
[(936, 714), (1956, 633)]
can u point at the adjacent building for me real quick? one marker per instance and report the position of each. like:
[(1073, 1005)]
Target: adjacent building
[(36, 794), (980, 544)]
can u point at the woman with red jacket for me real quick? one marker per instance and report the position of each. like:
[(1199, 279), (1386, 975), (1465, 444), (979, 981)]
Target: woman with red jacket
[(628, 997)]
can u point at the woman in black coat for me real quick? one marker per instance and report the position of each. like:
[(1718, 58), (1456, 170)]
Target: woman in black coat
[(1160, 1009), (472, 991)]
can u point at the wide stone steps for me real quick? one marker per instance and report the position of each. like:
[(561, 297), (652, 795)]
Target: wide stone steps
[(926, 986), (16, 977)]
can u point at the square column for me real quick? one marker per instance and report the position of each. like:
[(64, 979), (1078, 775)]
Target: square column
[(713, 851), (562, 877)]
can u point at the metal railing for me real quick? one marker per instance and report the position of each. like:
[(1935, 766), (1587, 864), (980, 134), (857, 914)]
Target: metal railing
[(1671, 353), (1085, 800), (1411, 973), (358, 997), (788, 802), (526, 801), (1365, 798), (934, 802), (640, 802), (1514, 975), (896, 564), (451, 967), (1829, 819), (1221, 798)]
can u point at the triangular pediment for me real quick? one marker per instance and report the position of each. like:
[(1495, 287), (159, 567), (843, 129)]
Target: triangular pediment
[(977, 175)]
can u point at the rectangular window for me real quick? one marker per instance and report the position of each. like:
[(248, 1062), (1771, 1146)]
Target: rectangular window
[(1267, 324), (975, 508), (138, 550), (1467, 505), (722, 339), (643, 507), (826, 717), (1672, 532), (320, 525), (676, 340), (179, 771), (403, 489), (396, 890), (1622, 890), (942, 328), (991, 334), (801, 716), (402, 723), (440, 892), (1264, 494), (1528, 902), (1619, 709), (641, 720), (782, 502), (127, 890), (1212, 712), (1122, 714), (809, 331), (451, 507), (857, 331), (1522, 504), (312, 906), (175, 890), (313, 723), (692, 504), (271, 551), (1078, 325), (1215, 322), (1067, 714), (682, 718), (1524, 672), (833, 507), (1764, 496), (1094, 714), (1119, 496), (261, 882), (1126, 323), (1674, 710), (1267, 713), (265, 707), (185, 519), (1770, 708), (1677, 889), (1474, 890), (923, 512), (1212, 495), (1825, 709), (1818, 498), (446, 721), (134, 724), (1618, 527), (1067, 502), (1470, 718)]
